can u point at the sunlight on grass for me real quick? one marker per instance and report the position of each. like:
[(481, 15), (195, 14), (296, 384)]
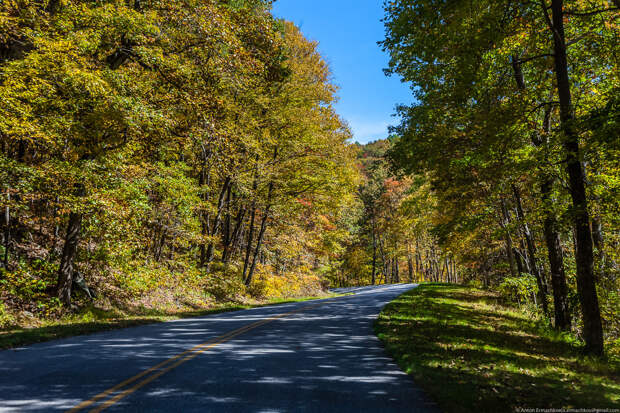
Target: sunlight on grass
[(471, 353)]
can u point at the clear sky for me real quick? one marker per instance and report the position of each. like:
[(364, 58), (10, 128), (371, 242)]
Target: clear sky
[(348, 32)]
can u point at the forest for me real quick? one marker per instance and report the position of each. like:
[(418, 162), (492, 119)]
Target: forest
[(159, 154), (175, 151), (516, 130)]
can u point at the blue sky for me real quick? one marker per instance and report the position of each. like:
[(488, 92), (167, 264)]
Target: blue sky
[(348, 32)]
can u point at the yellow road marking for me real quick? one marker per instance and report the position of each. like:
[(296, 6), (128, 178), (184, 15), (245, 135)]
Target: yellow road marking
[(184, 357), (162, 364)]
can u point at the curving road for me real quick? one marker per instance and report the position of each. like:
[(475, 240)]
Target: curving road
[(316, 356)]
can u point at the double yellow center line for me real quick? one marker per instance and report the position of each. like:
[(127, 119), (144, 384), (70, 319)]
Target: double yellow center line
[(162, 368)]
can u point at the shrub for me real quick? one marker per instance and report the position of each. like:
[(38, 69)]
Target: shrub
[(224, 283), (6, 319), (518, 289), (268, 285)]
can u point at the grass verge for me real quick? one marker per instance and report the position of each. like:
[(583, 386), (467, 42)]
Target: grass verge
[(471, 353), (92, 319)]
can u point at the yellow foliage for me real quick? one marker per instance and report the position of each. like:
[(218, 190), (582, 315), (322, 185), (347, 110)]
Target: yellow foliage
[(268, 285)]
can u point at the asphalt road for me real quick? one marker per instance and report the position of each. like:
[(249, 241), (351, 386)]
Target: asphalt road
[(315, 356)]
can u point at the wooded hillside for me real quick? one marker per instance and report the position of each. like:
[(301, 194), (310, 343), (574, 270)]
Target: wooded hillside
[(187, 149)]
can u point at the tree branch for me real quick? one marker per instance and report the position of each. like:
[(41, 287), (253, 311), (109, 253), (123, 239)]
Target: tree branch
[(589, 13), (545, 10), (544, 104), (527, 59)]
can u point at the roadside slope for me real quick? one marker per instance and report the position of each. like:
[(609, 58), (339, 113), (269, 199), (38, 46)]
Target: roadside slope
[(473, 354)]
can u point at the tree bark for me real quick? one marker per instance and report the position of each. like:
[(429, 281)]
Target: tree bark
[(248, 247), (383, 260), (204, 182), (66, 269), (554, 246), (586, 284), (7, 230), (531, 249), (374, 253), (234, 238), (261, 234), (556, 262), (160, 244), (263, 226), (396, 270), (504, 222), (227, 231), (214, 229), (409, 262)]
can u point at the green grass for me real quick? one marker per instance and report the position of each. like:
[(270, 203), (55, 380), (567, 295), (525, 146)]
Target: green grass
[(91, 320), (471, 353)]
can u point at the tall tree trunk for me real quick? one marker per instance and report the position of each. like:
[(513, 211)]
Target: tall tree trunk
[(521, 252), (227, 231), (263, 225), (431, 269), (56, 226), (552, 236), (409, 262), (204, 231), (597, 234), (586, 284), (396, 270), (433, 263), (504, 223), (374, 253), (554, 246), (424, 265), (383, 260), (261, 234), (418, 270), (204, 183), (454, 273), (531, 249), (234, 238), (248, 247), (160, 244), (453, 270), (259, 242), (7, 230), (214, 229), (556, 262), (520, 262), (66, 269), (238, 241)]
